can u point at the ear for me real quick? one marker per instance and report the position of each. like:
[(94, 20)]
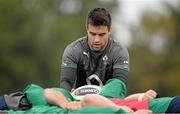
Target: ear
[(86, 27), (110, 29)]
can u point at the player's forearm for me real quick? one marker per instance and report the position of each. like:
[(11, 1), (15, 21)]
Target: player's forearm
[(133, 96), (68, 78)]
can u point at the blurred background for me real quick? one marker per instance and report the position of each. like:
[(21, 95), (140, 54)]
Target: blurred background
[(34, 33)]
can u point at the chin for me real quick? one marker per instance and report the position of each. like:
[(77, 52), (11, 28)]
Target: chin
[(97, 50)]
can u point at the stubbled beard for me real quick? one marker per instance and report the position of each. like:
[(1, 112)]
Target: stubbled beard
[(97, 51)]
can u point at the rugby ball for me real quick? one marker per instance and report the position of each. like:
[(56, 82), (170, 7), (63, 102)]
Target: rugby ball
[(80, 92)]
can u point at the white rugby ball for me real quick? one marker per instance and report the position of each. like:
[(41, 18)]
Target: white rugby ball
[(80, 92)]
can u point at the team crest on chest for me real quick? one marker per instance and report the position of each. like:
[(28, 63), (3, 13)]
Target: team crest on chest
[(105, 58)]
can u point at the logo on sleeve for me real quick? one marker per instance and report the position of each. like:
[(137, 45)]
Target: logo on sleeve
[(64, 64), (126, 62)]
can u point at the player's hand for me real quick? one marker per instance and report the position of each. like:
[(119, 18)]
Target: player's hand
[(149, 95)]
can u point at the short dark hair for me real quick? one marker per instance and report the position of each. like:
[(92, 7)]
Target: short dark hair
[(98, 17)]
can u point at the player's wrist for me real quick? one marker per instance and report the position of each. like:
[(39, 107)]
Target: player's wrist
[(141, 96)]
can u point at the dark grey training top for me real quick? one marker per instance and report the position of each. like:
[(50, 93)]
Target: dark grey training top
[(79, 62)]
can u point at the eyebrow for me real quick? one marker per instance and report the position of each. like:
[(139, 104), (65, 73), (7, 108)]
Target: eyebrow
[(92, 32), (96, 33), (102, 33)]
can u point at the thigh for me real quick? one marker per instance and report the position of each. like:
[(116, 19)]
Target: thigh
[(174, 106), (3, 105)]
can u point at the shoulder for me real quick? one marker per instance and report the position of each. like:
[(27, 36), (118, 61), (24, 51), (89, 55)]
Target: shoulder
[(77, 45), (116, 48), (74, 50)]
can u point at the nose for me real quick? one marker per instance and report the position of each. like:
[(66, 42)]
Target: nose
[(96, 39)]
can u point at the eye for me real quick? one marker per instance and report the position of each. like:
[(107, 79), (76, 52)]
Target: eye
[(102, 34), (93, 34)]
